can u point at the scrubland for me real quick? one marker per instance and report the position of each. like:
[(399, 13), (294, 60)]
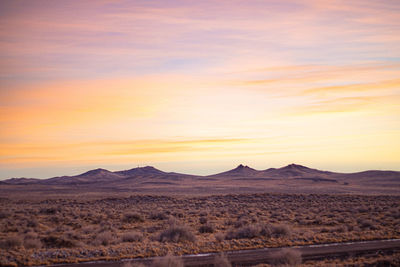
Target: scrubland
[(73, 229), (379, 259)]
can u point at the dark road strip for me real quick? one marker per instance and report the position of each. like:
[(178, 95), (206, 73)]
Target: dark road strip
[(256, 256)]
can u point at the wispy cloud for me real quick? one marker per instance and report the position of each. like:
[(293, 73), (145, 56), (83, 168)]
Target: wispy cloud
[(84, 72), (47, 152), (380, 86)]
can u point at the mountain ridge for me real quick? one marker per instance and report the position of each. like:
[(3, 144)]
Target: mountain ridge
[(292, 178), (241, 171)]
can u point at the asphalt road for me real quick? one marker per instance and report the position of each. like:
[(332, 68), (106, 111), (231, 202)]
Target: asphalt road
[(255, 256)]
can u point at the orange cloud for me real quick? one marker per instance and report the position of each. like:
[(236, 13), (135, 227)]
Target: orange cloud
[(47, 152), (367, 104), (381, 85)]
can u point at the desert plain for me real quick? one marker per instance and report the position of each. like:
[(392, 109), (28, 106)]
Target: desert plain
[(144, 212)]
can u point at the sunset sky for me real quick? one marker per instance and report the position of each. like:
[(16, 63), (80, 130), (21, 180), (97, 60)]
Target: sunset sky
[(198, 86)]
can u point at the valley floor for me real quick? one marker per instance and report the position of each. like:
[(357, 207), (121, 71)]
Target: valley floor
[(34, 232)]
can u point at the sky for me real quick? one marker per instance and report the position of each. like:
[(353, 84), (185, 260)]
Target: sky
[(198, 86)]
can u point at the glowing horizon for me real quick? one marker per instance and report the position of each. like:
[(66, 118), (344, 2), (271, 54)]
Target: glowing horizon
[(198, 86)]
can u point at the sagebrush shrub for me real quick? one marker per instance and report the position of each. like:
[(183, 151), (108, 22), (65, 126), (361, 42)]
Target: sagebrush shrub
[(203, 220), (11, 242), (32, 243), (206, 228), (53, 241), (177, 233), (105, 238), (221, 260), (168, 261), (31, 240), (4, 214), (249, 231), (286, 257), (133, 217), (132, 237), (49, 211), (281, 230), (257, 230), (159, 215), (219, 237)]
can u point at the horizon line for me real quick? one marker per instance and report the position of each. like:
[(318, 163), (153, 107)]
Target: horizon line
[(238, 166)]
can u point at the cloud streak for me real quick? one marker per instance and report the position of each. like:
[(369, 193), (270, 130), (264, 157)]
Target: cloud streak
[(100, 72)]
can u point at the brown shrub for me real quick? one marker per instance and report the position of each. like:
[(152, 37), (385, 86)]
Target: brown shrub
[(168, 261), (32, 243), (11, 242), (203, 220), (53, 241), (32, 223), (105, 238), (341, 229), (365, 223), (4, 214), (286, 257), (177, 233), (132, 237), (56, 219), (207, 228), (241, 223), (203, 213), (281, 230), (31, 240), (221, 260), (133, 217), (249, 231), (159, 215), (257, 230), (49, 211), (219, 236), (90, 229), (152, 229)]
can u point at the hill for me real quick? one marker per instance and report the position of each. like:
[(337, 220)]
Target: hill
[(292, 178)]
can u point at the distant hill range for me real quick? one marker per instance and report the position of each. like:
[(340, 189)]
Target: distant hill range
[(291, 178)]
